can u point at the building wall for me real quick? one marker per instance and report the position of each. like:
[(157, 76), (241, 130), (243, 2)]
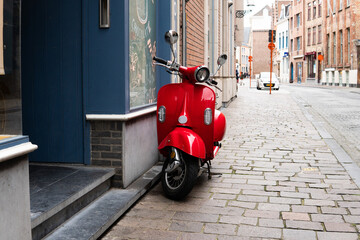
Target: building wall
[(341, 70), (297, 42), (195, 32), (261, 53)]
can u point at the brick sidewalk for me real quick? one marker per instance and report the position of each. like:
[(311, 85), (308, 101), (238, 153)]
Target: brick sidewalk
[(280, 181)]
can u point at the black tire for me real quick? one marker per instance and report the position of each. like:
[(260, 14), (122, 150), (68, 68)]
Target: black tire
[(178, 189)]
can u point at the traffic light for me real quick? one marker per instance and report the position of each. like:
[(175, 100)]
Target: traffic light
[(274, 35)]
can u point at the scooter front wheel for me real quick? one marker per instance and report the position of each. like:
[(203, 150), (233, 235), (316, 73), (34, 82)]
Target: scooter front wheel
[(178, 183)]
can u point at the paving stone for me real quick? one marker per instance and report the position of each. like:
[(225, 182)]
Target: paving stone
[(333, 210), (295, 216), (258, 193), (349, 204), (294, 234), (336, 236), (274, 207), (313, 202), (261, 214), (285, 200), (186, 226), (239, 220), (304, 209), (352, 219), (224, 196), (227, 229), (339, 227), (261, 232), (196, 217), (197, 236), (249, 205), (354, 211), (304, 225), (262, 182), (275, 223), (327, 218), (280, 188), (294, 195), (249, 198)]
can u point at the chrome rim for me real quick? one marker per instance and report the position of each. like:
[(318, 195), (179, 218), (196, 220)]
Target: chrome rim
[(177, 177)]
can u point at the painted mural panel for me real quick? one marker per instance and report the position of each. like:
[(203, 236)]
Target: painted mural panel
[(142, 34)]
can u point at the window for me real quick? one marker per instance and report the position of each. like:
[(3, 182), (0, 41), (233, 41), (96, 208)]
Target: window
[(10, 81), (298, 43), (309, 12), (291, 45), (309, 37), (298, 20), (334, 48), (291, 23), (328, 8), (287, 39), (319, 34), (314, 35), (341, 46), (142, 47), (347, 3), (283, 41), (340, 5), (279, 41), (334, 6), (314, 9), (319, 8), (348, 45)]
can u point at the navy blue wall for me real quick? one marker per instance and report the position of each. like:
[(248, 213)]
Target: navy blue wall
[(106, 56)]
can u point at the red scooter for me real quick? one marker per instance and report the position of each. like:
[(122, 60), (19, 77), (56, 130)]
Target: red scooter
[(189, 127)]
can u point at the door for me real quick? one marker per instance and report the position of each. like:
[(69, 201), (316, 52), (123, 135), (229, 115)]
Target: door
[(291, 73), (52, 79)]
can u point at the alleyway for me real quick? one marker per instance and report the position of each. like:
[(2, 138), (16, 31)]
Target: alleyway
[(279, 180)]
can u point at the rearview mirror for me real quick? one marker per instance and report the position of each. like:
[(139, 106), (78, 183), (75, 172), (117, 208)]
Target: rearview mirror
[(171, 37), (222, 60)]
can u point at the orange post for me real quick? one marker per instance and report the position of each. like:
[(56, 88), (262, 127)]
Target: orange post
[(250, 60), (271, 46)]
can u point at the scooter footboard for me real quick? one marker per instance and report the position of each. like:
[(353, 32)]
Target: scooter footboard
[(185, 140)]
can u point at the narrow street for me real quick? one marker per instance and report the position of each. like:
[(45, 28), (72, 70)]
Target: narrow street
[(280, 180)]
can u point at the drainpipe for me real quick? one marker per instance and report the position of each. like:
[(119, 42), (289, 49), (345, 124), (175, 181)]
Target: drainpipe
[(212, 35), (357, 44), (184, 31)]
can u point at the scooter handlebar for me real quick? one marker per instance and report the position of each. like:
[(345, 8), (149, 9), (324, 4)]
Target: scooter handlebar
[(160, 60)]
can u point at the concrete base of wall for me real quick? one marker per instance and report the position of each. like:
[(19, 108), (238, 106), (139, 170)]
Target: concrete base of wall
[(129, 146), (15, 199)]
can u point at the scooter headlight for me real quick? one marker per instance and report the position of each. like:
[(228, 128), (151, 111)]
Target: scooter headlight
[(208, 116), (202, 74), (161, 114)]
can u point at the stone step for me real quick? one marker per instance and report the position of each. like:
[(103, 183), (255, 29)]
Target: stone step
[(57, 192), (95, 219)]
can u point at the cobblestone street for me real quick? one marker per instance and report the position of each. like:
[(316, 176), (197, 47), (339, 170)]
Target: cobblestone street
[(280, 180)]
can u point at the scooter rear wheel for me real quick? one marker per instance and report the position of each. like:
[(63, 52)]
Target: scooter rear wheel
[(179, 183)]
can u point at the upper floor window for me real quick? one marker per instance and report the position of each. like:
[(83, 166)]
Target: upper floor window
[(319, 8), (340, 5), (309, 12), (314, 35), (298, 20), (314, 10), (319, 34)]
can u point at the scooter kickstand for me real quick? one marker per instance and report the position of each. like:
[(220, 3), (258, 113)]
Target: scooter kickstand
[(209, 172)]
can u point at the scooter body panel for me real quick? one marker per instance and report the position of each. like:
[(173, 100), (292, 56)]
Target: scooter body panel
[(185, 140), (185, 104), (219, 126)]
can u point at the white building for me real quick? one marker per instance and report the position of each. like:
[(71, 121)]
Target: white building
[(282, 45)]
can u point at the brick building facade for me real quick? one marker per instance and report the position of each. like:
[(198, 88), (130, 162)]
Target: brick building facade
[(340, 32), (297, 42)]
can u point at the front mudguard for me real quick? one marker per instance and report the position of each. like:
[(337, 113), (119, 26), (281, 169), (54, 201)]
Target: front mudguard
[(185, 140)]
